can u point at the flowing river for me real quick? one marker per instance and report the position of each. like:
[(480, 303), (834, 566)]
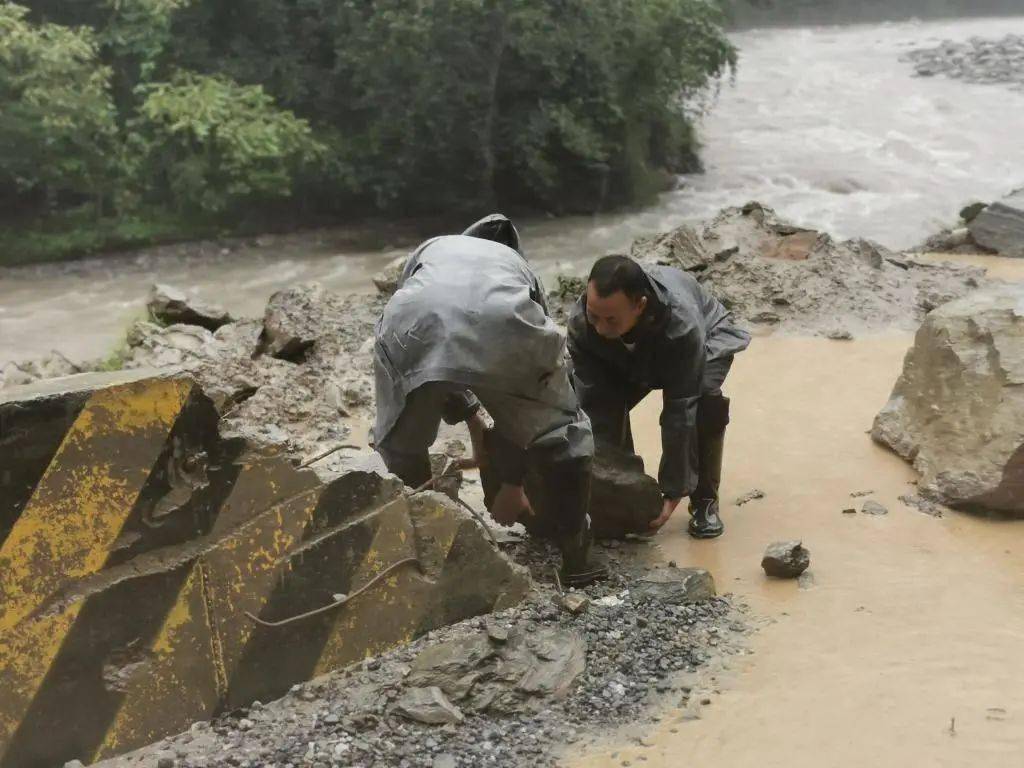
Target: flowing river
[(825, 124)]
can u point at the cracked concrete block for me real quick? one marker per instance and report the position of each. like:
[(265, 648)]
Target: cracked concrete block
[(146, 565)]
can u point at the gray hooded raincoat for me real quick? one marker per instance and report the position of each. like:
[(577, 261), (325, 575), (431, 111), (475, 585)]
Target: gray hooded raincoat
[(470, 312)]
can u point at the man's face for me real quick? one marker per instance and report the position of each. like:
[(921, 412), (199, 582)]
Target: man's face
[(614, 315)]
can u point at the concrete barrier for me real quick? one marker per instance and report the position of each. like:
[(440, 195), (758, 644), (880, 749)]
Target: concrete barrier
[(144, 561)]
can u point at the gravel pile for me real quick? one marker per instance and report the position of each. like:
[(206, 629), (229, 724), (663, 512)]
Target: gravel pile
[(642, 651)]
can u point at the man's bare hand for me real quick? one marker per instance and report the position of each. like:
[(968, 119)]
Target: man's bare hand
[(510, 504), (666, 512)]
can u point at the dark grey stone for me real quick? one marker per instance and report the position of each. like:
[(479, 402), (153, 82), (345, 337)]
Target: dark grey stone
[(786, 559)]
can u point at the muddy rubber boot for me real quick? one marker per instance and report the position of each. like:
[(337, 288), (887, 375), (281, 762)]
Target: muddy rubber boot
[(705, 522), (567, 486)]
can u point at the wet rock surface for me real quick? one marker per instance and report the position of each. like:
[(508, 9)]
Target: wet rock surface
[(957, 410), (786, 559), (551, 681), (978, 60), (1000, 227), (770, 272), (169, 305), (307, 403), (623, 498)]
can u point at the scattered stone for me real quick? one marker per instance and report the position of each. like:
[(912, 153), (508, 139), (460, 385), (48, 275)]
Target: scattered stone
[(165, 760), (386, 281), (522, 673), (871, 507), (444, 761), (957, 410), (1000, 226), (850, 511), (496, 632), (292, 323), (428, 705), (786, 559), (749, 496), (51, 366), (970, 212), (172, 306), (675, 586), (574, 602), (859, 494), (839, 334), (922, 504)]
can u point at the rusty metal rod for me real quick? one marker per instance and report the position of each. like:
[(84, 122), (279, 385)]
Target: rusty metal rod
[(336, 603)]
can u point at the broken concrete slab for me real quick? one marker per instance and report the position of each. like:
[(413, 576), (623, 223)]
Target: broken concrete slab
[(786, 559), (171, 305), (176, 563), (999, 227), (957, 409)]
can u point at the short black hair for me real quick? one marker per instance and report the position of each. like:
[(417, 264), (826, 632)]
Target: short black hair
[(611, 274)]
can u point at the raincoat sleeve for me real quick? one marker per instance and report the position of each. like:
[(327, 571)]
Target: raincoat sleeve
[(677, 474)]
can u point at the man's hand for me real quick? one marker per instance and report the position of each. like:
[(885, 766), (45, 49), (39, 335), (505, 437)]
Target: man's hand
[(510, 504), (666, 512)]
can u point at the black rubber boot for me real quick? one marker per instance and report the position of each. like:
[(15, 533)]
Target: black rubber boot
[(705, 522), (567, 491)]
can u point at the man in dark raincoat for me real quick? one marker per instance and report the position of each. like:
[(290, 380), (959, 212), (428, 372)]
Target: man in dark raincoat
[(638, 329), (467, 326)]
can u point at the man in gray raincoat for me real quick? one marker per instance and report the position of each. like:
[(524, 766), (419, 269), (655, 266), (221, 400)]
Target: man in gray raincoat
[(639, 329), (467, 326)]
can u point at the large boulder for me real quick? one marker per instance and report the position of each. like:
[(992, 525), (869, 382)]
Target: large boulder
[(957, 411), (1000, 226), (170, 305)]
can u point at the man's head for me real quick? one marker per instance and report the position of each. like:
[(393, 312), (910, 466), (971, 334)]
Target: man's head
[(497, 228), (616, 295)]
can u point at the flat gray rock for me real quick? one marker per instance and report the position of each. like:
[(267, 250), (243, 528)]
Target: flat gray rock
[(1000, 226), (428, 705), (676, 586), (171, 305), (872, 507)]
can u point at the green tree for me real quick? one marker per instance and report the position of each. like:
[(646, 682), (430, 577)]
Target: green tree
[(206, 143), (58, 134)]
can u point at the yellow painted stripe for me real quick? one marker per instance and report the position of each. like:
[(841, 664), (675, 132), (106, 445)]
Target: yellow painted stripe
[(68, 526), (26, 656), (83, 499), (179, 680), (392, 612)]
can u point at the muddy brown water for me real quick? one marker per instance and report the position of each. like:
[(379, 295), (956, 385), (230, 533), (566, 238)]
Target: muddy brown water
[(907, 649)]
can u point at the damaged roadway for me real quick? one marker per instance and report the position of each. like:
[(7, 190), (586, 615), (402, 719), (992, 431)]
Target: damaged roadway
[(297, 382)]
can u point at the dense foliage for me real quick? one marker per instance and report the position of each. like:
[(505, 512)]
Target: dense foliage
[(211, 110)]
